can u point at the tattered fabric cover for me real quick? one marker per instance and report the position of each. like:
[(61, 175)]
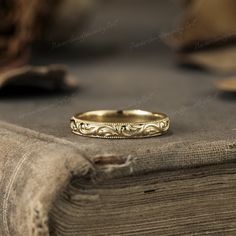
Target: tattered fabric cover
[(35, 168)]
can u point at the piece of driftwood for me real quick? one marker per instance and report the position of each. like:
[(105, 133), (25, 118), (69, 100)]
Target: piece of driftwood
[(51, 77), (221, 59), (206, 35), (227, 85), (204, 23)]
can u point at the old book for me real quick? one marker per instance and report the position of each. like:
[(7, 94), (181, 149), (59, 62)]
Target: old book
[(49, 186)]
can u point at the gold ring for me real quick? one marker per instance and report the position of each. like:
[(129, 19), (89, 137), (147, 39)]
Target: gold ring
[(120, 124)]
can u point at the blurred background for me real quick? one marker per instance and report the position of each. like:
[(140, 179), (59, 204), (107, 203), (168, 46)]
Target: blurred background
[(93, 27), (60, 57)]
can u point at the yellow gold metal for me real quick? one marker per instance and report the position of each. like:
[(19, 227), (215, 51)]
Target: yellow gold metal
[(120, 124)]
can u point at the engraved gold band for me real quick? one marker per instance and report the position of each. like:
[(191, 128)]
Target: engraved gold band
[(120, 124)]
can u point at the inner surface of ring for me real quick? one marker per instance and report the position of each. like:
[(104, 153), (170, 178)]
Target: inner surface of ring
[(125, 116)]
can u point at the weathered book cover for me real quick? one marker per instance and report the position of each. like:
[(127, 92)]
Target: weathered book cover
[(49, 186)]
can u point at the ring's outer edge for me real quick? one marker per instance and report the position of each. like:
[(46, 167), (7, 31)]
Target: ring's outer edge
[(113, 130)]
